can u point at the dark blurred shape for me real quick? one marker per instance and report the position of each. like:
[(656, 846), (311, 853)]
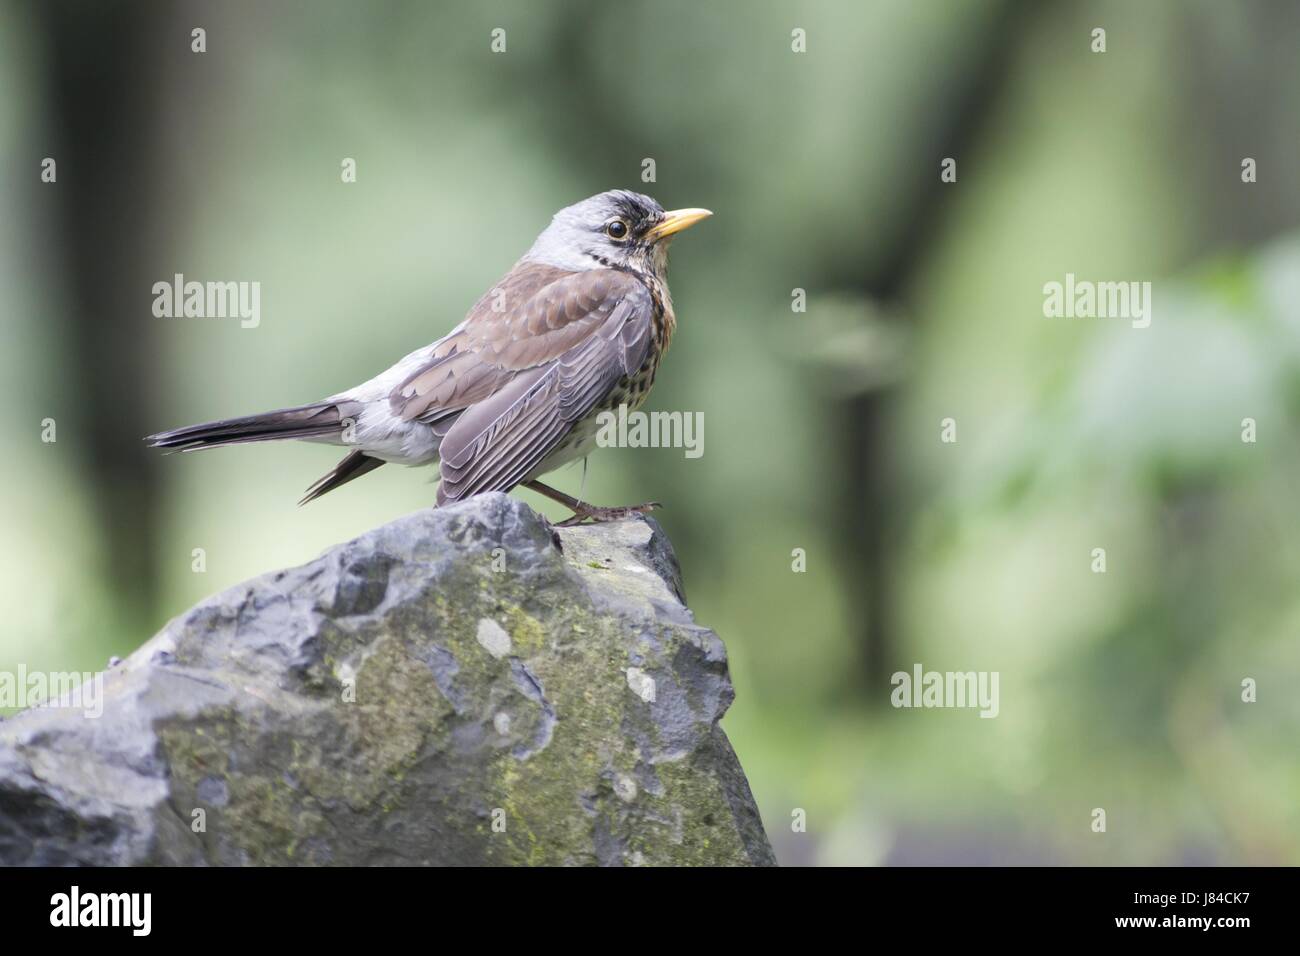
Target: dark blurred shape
[(873, 526), (106, 131)]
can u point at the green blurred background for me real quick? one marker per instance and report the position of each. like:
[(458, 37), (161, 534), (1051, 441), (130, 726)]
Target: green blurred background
[(1119, 690)]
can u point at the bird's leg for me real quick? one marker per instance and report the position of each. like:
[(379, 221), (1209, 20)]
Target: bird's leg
[(585, 512)]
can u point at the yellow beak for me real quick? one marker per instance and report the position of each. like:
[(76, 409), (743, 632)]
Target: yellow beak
[(675, 221)]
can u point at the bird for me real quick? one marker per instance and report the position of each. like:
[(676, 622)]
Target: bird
[(576, 328)]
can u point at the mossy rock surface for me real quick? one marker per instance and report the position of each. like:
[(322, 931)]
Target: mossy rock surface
[(462, 686)]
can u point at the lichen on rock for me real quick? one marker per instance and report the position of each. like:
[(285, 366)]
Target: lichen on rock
[(463, 686)]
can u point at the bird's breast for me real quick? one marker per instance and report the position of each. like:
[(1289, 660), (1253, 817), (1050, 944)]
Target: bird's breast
[(663, 319)]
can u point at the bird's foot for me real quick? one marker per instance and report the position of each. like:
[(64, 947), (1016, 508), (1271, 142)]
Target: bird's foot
[(584, 513)]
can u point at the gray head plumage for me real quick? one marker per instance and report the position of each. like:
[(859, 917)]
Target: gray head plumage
[(610, 229)]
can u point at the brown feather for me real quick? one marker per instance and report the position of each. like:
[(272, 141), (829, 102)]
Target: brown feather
[(354, 465), (499, 441), (546, 313), (305, 421)]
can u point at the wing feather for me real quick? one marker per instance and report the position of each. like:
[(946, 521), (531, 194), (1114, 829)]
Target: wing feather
[(606, 318)]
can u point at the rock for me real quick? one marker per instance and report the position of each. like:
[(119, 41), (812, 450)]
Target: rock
[(465, 685)]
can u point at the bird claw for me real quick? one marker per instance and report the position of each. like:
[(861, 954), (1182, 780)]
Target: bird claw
[(596, 514)]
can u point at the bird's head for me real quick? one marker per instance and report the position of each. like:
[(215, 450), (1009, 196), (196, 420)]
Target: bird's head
[(615, 229)]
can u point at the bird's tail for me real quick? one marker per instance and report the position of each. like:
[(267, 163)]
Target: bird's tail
[(318, 420)]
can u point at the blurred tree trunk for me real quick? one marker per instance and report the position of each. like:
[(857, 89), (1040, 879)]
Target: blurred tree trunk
[(103, 84), (957, 119)]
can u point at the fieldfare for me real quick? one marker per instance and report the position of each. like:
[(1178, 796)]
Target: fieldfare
[(576, 328)]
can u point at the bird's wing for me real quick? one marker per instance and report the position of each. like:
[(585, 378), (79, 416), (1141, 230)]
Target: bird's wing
[(531, 317), (557, 356)]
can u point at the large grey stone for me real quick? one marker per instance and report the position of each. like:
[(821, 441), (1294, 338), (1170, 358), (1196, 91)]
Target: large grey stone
[(461, 686)]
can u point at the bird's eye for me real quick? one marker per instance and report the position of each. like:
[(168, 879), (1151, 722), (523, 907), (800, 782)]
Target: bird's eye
[(616, 229)]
